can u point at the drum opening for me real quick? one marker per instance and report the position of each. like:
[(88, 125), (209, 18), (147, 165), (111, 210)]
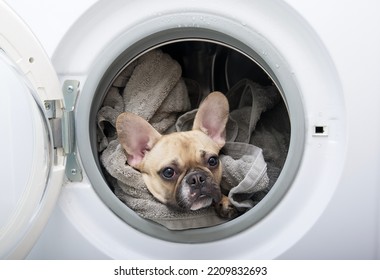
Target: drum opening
[(191, 69)]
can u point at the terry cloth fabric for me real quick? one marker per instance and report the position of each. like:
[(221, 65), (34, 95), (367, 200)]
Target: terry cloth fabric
[(153, 90), (152, 87)]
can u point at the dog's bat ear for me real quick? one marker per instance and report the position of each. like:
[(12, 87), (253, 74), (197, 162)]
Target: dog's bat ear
[(212, 117), (136, 136)]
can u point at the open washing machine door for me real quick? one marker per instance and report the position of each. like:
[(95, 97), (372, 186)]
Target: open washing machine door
[(32, 162)]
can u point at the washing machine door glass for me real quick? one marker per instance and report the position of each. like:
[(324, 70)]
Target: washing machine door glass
[(31, 169), (26, 155)]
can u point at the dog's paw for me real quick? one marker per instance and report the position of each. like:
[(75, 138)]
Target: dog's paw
[(225, 209)]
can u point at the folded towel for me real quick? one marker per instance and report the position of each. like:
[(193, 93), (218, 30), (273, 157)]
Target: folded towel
[(244, 176), (152, 87), (155, 90), (106, 117)]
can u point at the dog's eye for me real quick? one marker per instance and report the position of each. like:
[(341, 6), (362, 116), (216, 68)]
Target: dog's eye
[(213, 161), (168, 173)]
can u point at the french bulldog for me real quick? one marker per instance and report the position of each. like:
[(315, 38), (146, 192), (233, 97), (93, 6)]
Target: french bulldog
[(181, 169)]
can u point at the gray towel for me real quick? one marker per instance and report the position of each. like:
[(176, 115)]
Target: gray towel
[(153, 88), (147, 87), (156, 91)]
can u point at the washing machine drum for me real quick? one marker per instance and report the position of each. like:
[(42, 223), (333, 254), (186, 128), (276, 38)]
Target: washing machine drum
[(165, 84)]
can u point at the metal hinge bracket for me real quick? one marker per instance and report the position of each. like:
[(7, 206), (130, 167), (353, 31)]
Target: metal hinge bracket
[(63, 128)]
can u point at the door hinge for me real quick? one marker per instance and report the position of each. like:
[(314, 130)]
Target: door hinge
[(63, 128)]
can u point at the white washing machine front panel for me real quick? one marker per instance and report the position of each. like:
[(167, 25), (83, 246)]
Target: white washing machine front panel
[(325, 64)]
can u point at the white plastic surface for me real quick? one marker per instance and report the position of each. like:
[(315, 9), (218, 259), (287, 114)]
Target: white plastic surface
[(25, 157), (306, 60), (30, 178), (58, 14), (326, 177), (331, 211)]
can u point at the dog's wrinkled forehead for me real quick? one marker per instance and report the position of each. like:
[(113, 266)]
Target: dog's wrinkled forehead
[(190, 148)]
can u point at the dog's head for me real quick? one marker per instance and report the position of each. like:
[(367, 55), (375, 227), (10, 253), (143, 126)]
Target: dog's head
[(181, 169)]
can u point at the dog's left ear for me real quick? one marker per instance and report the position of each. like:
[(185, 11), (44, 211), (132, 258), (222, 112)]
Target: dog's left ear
[(212, 117)]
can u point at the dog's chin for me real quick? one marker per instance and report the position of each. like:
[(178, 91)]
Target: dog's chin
[(198, 201), (201, 202)]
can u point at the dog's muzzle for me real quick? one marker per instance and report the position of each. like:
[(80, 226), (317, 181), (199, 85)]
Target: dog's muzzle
[(197, 190)]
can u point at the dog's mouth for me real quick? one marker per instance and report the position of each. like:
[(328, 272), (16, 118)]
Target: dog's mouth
[(197, 190), (198, 199), (201, 202)]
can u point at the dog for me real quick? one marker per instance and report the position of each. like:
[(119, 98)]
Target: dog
[(181, 169)]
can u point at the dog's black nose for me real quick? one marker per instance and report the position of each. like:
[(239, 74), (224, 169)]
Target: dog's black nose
[(196, 179)]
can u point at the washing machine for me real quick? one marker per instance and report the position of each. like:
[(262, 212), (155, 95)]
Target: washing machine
[(59, 59)]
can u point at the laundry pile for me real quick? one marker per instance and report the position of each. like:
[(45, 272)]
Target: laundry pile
[(152, 87)]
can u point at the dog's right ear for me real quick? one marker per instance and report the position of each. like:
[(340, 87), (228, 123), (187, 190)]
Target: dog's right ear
[(136, 136)]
